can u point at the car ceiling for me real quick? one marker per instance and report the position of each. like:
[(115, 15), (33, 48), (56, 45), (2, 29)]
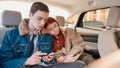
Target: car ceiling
[(76, 6)]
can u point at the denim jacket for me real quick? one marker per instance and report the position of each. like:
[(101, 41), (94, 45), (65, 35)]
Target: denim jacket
[(15, 48)]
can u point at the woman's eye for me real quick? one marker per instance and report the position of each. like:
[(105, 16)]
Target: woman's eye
[(55, 26), (39, 18)]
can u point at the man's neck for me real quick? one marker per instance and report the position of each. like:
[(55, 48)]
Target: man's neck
[(35, 31), (31, 29)]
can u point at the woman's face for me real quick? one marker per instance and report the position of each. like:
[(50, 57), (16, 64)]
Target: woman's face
[(53, 28)]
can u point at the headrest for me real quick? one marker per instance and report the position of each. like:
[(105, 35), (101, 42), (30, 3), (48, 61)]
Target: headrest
[(113, 17), (60, 20), (11, 18)]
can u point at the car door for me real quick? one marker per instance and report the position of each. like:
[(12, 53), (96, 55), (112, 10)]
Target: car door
[(89, 25)]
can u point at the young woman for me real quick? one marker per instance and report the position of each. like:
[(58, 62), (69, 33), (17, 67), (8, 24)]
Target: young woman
[(67, 44)]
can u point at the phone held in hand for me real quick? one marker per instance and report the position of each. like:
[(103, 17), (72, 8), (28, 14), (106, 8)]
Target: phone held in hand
[(42, 55)]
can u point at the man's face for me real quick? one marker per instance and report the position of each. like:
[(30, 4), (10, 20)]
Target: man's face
[(38, 19)]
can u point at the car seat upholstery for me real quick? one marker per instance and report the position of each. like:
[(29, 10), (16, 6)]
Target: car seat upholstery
[(107, 40), (113, 17), (10, 19), (60, 20)]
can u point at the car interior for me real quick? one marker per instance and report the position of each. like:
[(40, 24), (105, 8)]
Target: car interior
[(10, 19), (97, 21), (109, 35)]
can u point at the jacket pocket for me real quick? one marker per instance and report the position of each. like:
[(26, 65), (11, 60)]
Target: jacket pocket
[(20, 50), (45, 47)]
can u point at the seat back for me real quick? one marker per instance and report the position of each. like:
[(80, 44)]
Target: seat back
[(60, 20), (107, 40), (10, 19), (113, 20)]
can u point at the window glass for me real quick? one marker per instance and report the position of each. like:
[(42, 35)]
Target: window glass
[(95, 19)]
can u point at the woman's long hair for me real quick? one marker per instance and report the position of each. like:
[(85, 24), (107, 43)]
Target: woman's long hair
[(61, 39)]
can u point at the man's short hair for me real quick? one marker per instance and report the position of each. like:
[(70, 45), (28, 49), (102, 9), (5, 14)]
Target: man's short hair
[(39, 6)]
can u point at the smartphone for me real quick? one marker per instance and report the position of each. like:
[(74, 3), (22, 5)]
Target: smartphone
[(42, 55)]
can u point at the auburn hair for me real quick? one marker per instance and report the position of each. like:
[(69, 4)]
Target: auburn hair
[(55, 45)]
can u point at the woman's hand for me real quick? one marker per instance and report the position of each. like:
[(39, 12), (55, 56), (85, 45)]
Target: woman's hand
[(60, 59), (71, 58), (68, 58)]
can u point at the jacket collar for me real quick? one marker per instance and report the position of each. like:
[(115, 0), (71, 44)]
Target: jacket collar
[(23, 28)]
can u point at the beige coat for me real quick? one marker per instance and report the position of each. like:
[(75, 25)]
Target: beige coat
[(73, 43)]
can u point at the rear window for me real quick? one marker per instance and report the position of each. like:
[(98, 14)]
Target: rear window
[(96, 19)]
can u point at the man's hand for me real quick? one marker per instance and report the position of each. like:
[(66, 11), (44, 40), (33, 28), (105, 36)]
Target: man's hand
[(34, 59), (49, 57)]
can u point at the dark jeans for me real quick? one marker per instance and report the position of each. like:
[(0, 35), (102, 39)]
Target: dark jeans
[(62, 65)]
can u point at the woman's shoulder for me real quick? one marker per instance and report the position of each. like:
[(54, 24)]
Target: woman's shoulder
[(67, 29), (70, 31)]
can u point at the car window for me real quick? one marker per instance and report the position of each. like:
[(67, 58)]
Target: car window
[(95, 19)]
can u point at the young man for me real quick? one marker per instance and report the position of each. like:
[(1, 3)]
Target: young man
[(19, 49)]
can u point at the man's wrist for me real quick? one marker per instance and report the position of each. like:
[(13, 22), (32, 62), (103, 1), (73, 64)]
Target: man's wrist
[(26, 63)]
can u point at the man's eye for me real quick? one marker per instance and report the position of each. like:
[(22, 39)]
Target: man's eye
[(40, 19)]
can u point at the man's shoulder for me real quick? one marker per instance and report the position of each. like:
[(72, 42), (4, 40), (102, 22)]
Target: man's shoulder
[(13, 31), (47, 35)]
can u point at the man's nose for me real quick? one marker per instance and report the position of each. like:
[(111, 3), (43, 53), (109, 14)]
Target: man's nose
[(42, 23)]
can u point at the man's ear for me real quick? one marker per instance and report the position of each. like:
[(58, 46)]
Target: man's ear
[(30, 14)]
